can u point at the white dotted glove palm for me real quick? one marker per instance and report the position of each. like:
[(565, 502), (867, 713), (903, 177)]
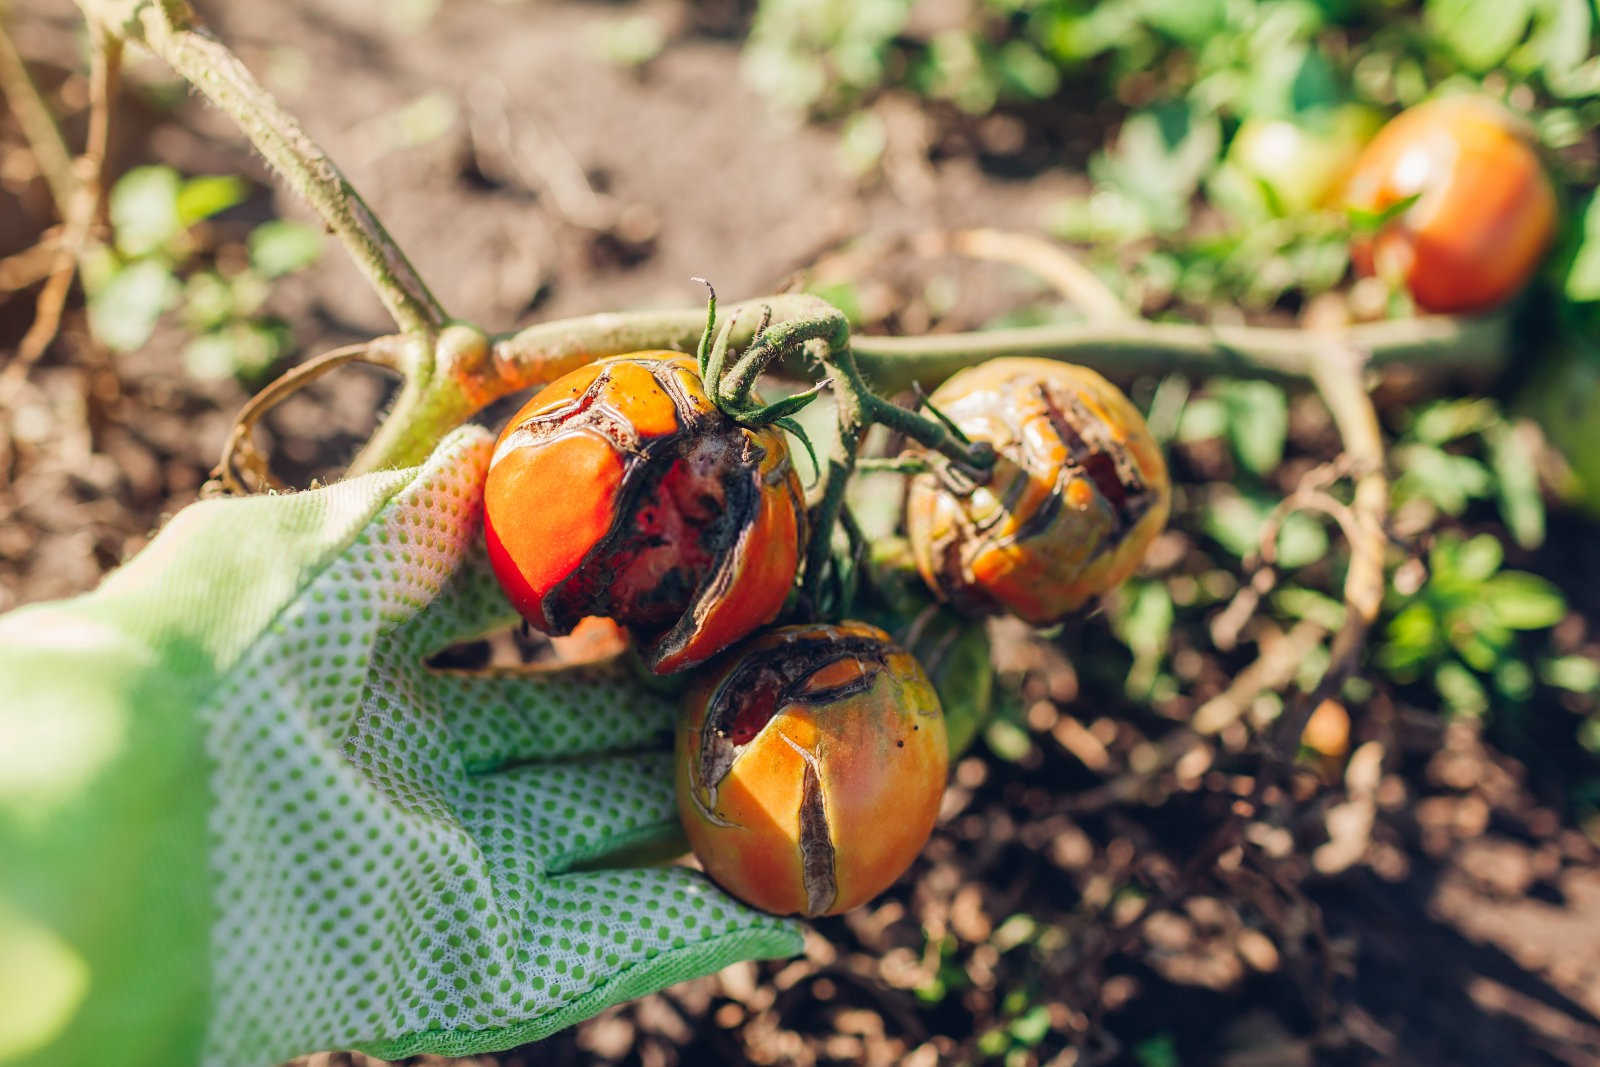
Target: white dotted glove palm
[(241, 819)]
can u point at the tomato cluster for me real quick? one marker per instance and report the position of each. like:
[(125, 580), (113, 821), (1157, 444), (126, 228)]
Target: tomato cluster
[(811, 757), (623, 491)]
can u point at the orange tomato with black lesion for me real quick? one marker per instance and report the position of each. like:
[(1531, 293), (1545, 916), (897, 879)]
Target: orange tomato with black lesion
[(1485, 212), (1077, 493), (619, 490), (811, 761)]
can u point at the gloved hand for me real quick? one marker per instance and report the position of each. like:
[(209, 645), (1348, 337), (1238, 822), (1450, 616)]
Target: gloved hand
[(240, 818)]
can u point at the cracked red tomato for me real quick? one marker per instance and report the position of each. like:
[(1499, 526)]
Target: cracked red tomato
[(1485, 211), (621, 491), (811, 762), (1078, 492)]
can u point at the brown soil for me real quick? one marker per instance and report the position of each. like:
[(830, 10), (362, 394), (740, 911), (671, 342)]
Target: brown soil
[(1430, 902)]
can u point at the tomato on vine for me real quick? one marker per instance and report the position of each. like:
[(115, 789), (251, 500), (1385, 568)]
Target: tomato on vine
[(810, 765), (621, 490), (1482, 211), (1077, 494)]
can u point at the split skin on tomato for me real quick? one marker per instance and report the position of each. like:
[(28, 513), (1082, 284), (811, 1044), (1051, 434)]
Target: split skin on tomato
[(1485, 210), (620, 491), (811, 761), (1077, 493)]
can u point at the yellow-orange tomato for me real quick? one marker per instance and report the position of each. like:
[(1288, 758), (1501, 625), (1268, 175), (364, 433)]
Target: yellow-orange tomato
[(1078, 492), (1485, 211), (811, 761), (621, 491)]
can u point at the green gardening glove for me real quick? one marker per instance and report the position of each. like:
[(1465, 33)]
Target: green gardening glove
[(240, 819)]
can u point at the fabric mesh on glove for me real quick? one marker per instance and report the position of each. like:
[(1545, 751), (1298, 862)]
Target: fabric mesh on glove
[(392, 849)]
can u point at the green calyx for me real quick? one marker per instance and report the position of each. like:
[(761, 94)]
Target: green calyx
[(732, 390)]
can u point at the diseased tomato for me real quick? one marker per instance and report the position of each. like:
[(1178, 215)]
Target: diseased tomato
[(1485, 211), (811, 762), (1077, 494), (621, 491)]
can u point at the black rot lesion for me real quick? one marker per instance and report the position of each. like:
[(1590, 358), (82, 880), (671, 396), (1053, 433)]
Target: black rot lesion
[(817, 872), (1096, 454), (701, 478), (746, 701)]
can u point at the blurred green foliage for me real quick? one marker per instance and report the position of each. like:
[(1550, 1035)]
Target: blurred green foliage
[(1228, 124), (1460, 628), (157, 262)]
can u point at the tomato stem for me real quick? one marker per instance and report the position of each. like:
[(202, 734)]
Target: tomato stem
[(38, 125), (171, 30), (1435, 345)]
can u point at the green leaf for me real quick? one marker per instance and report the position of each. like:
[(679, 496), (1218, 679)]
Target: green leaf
[(1031, 1027), (1460, 688), (208, 195), (1365, 221), (843, 295), (1018, 929), (1074, 37), (1144, 617), (1516, 473), (993, 1043), (1159, 158), (1411, 639), (1026, 73), (1513, 680), (1288, 81), (1524, 601), (124, 311), (1559, 43), (1234, 520), (210, 357), (1301, 603), (1578, 674), (1007, 740), (245, 350), (633, 41), (1583, 273), (862, 140), (1190, 21), (1109, 216), (1203, 418), (1589, 738), (1258, 423), (1160, 1050), (1477, 636), (1444, 421), (282, 247), (1301, 540), (1476, 559), (144, 210), (207, 301), (1448, 480), (1481, 33), (97, 266)]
